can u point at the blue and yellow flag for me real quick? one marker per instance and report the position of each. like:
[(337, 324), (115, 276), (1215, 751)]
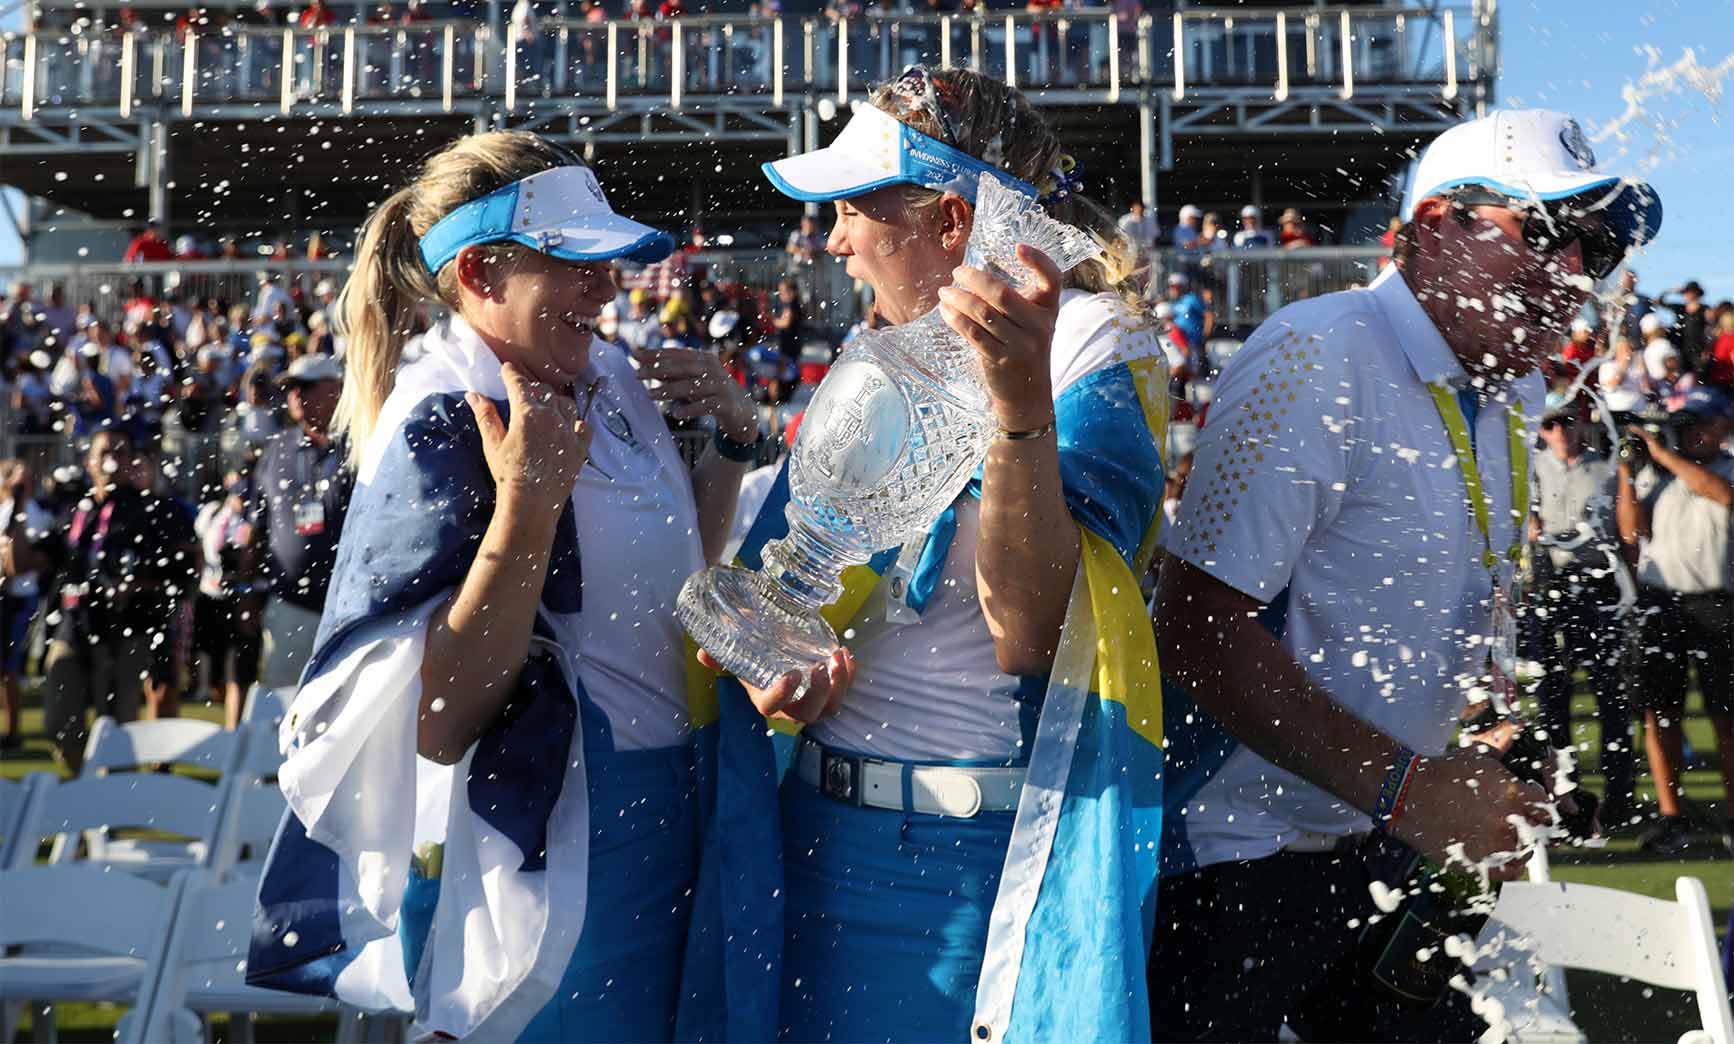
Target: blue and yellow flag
[(1072, 922)]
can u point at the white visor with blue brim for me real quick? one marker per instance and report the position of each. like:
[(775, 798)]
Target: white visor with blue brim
[(877, 149), (560, 212)]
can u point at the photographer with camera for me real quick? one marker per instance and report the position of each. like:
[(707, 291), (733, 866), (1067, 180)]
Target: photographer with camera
[(1675, 495), (1576, 594)]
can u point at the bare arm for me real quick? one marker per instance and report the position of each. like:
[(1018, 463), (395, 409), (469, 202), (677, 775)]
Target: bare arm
[(1027, 552), (1699, 479), (1211, 643), (716, 490), (1632, 517), (477, 641), (1028, 547), (697, 384)]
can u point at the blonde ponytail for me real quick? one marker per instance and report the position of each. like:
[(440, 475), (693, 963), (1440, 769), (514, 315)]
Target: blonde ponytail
[(378, 309), (376, 315)]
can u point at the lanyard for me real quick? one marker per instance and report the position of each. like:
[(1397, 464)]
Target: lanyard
[(1451, 413)]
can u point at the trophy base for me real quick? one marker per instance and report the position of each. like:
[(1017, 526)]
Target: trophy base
[(754, 640)]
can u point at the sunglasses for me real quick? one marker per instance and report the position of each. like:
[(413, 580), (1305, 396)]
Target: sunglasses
[(1549, 228), (1558, 422)]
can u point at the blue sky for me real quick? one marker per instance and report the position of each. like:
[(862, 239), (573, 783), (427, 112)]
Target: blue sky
[(1579, 56)]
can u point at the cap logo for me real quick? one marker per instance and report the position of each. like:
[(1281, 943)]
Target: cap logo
[(1576, 145)]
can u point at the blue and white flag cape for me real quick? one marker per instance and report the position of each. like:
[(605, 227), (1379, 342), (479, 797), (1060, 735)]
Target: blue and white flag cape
[(1071, 925), (456, 892)]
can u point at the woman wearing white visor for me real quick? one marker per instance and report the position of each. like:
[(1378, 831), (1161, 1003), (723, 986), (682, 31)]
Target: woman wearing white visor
[(492, 813), (900, 806)]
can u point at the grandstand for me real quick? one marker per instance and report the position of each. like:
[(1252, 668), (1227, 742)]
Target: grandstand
[(258, 125)]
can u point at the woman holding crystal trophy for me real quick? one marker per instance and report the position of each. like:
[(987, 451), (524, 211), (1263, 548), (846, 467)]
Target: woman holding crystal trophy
[(969, 830)]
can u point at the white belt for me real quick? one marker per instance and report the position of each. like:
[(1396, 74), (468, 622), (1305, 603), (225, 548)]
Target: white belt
[(935, 790)]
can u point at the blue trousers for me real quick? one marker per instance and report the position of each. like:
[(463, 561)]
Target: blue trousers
[(886, 918), (623, 983)]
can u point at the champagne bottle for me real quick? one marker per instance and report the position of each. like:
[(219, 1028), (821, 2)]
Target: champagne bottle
[(1405, 948)]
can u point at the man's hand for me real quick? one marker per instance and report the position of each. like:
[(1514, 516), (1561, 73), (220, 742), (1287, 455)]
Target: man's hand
[(1466, 798)]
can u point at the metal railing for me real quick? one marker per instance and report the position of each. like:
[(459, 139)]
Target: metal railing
[(1344, 49), (1249, 286), (107, 286)]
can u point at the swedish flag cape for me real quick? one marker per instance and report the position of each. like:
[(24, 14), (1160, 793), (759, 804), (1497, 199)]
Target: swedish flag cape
[(1072, 921)]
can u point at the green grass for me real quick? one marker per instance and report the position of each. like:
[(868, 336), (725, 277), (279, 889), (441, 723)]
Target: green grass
[(1609, 1010)]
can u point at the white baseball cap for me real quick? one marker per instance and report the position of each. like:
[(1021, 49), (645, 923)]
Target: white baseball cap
[(1190, 213), (1650, 323), (560, 212), (1249, 211), (1533, 154), (876, 149)]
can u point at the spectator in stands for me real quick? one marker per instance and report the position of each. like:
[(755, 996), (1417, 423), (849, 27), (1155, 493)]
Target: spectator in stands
[(1292, 231), (1575, 594), (148, 246), (56, 325), (1721, 365), (789, 319), (123, 557), (1189, 316), (805, 244), (637, 329), (222, 630), (1186, 231), (1624, 386), (1140, 228), (1630, 305), (273, 302), (315, 15), (1692, 325), (1662, 363), (1211, 234), (1252, 232), (20, 321), (1674, 519), (300, 496), (26, 534)]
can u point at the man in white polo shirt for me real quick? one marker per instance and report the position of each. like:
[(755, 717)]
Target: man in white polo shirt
[(1328, 603)]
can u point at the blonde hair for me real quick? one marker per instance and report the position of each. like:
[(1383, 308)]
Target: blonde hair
[(377, 311), (995, 123)]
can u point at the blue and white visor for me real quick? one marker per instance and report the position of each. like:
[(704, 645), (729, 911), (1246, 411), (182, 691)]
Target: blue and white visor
[(560, 212), (877, 149)]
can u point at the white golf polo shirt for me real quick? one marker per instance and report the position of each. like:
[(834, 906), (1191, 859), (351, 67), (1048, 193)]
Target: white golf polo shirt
[(1325, 476)]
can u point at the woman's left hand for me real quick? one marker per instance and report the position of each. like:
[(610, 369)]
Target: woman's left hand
[(696, 384), (1012, 332)]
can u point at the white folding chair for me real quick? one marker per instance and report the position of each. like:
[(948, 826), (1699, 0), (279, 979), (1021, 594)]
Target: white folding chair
[(257, 806), (165, 741), (79, 933), (93, 807), (1537, 926), (202, 969), (16, 798), (260, 718)]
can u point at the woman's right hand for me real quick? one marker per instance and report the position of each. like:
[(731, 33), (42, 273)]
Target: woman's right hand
[(536, 461), (827, 683)]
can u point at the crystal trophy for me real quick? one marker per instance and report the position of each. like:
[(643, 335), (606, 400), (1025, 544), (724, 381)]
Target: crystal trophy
[(896, 430)]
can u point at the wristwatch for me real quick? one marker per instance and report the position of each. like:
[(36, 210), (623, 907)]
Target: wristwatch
[(739, 452)]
